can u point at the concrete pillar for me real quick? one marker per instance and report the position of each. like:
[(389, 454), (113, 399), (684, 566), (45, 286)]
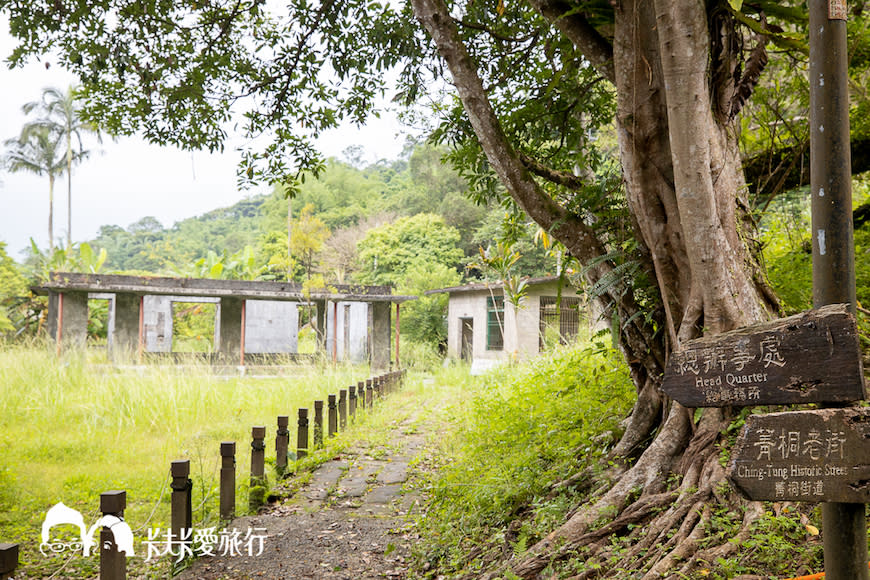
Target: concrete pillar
[(51, 317), (231, 328), (72, 319), (320, 325), (124, 340), (380, 336)]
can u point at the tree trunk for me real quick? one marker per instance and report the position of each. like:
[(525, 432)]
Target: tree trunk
[(69, 155), (50, 213), (686, 192)]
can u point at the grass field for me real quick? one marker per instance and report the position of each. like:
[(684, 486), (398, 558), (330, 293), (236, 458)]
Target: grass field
[(70, 430)]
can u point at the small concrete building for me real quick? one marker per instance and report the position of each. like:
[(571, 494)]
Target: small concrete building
[(251, 317), (485, 329)]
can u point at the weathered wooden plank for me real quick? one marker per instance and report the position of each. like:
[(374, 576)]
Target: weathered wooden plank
[(812, 357), (819, 455)]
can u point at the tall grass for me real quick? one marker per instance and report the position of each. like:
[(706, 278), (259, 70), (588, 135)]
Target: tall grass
[(70, 431), (519, 430)]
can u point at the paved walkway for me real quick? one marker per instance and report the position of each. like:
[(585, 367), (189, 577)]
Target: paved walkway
[(350, 521)]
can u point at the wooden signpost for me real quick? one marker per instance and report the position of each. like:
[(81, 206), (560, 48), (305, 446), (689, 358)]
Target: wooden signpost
[(818, 455), (812, 357)]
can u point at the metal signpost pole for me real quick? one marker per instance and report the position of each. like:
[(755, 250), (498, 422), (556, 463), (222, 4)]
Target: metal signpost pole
[(844, 524)]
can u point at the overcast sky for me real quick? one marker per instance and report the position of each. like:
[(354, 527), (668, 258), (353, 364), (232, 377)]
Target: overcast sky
[(129, 179)]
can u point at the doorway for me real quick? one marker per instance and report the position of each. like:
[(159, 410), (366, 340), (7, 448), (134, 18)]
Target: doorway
[(466, 350)]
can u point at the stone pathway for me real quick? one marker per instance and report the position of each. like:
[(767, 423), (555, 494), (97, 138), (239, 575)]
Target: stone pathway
[(350, 521)]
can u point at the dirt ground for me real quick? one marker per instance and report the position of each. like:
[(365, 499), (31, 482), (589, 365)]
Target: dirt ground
[(352, 520)]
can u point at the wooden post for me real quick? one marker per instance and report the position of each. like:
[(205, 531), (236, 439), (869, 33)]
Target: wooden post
[(302, 434), (844, 524), (113, 562), (182, 510), (318, 424), (342, 409), (369, 394), (8, 560), (282, 442), (361, 394), (228, 480), (332, 415), (258, 467), (351, 402), (376, 387)]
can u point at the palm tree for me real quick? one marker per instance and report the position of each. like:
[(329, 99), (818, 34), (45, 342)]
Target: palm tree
[(59, 111), (38, 150)]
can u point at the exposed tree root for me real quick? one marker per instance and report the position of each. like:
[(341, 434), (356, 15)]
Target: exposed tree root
[(648, 474), (662, 527), (726, 549)]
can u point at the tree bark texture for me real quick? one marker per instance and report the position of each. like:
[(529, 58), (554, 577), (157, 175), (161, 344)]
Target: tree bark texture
[(686, 195)]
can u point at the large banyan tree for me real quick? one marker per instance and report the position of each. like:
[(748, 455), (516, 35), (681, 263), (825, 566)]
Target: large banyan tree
[(613, 124)]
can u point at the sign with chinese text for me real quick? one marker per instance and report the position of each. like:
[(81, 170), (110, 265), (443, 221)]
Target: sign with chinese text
[(820, 455), (812, 357)]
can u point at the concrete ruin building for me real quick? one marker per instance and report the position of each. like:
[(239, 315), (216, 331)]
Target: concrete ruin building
[(484, 329), (252, 318)]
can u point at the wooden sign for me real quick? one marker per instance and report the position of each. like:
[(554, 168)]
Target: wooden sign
[(812, 357), (820, 455)]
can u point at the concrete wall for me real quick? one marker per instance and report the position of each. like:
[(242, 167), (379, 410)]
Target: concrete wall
[(471, 305), (271, 326), (349, 320)]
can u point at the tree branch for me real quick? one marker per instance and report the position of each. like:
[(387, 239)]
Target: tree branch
[(562, 178), (503, 158), (568, 228), (786, 174), (597, 49)]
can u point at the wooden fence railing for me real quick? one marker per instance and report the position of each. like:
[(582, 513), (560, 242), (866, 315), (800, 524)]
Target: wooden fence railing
[(342, 409)]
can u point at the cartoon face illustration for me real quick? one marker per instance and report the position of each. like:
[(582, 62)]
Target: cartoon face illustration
[(121, 531), (60, 514)]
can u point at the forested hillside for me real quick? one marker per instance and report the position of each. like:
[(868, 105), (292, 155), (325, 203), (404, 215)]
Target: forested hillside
[(330, 218)]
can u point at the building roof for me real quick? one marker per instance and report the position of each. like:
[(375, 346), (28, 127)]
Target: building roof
[(490, 285), (202, 287)]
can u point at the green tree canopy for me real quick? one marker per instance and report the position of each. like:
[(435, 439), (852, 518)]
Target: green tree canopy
[(12, 285), (387, 253)]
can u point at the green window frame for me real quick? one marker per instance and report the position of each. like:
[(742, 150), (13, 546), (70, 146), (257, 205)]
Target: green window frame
[(495, 323)]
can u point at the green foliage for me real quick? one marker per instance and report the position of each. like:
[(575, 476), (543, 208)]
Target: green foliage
[(387, 253), (307, 236), (423, 320), (788, 248), (518, 431), (193, 327), (12, 286), (782, 543), (513, 231), (343, 200)]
